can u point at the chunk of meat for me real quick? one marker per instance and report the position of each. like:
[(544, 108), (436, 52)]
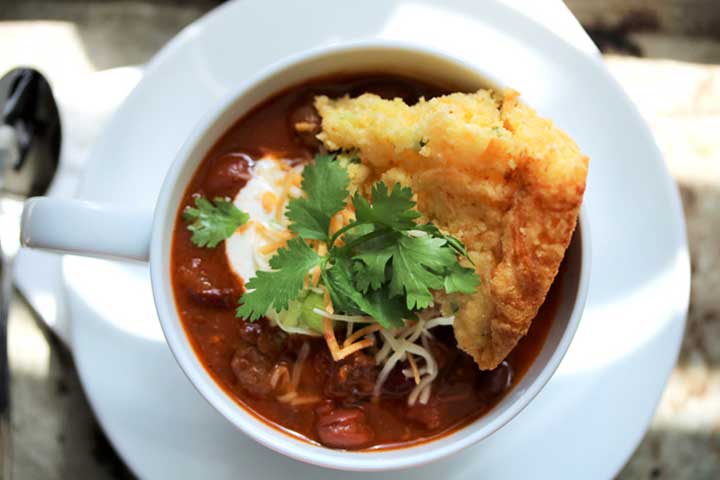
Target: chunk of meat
[(253, 370), (230, 173), (202, 290), (270, 340), (344, 428), (397, 385), (353, 376), (511, 188)]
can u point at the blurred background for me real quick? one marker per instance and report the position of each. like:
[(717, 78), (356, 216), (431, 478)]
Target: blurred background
[(665, 53)]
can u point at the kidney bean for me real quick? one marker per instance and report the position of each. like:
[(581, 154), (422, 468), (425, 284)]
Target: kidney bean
[(305, 122), (229, 173), (500, 378), (345, 428)]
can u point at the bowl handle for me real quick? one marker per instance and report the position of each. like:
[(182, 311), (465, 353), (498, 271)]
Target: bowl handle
[(86, 228)]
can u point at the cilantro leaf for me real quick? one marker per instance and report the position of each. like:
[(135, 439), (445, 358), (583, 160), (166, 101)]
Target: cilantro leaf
[(370, 273), (275, 289), (453, 242), (418, 266), (387, 310), (338, 281), (211, 224), (371, 262), (392, 209), (325, 184), (345, 297), (461, 279)]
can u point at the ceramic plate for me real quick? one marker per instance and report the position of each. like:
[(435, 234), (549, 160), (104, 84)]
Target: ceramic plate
[(591, 415)]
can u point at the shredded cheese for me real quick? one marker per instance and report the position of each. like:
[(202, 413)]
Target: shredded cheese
[(332, 343), (348, 214), (336, 223), (361, 333), (273, 246), (328, 304), (350, 349), (244, 226), (413, 367), (295, 179), (262, 229), (315, 276), (269, 201), (329, 334)]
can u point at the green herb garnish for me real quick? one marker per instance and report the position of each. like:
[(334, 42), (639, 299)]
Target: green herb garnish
[(275, 289), (384, 264), (211, 224)]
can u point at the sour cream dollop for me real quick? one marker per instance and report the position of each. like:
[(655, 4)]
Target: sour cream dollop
[(273, 183)]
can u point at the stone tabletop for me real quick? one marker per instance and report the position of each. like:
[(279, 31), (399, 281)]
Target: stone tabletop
[(673, 78)]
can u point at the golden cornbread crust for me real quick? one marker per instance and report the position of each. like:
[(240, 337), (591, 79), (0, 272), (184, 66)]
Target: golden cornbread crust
[(488, 170)]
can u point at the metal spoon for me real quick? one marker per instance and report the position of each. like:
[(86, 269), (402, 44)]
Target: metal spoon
[(29, 153)]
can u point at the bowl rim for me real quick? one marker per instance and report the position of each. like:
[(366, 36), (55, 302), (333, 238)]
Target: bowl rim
[(243, 418)]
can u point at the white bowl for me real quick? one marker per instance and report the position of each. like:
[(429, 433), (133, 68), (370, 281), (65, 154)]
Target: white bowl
[(94, 229), (376, 56)]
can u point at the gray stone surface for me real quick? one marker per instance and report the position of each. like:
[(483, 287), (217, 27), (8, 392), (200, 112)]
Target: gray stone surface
[(55, 433)]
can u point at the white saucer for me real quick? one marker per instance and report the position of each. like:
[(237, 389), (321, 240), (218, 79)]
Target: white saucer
[(591, 415)]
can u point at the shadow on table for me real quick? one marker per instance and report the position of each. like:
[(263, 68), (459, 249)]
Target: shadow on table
[(692, 448), (702, 333), (673, 454), (55, 434)]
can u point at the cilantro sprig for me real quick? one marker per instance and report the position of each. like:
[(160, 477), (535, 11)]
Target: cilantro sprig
[(325, 184), (276, 288), (213, 222), (383, 264)]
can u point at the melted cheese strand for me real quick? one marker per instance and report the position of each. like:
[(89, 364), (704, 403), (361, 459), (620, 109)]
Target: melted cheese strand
[(418, 390), (413, 367), (299, 363), (280, 371)]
